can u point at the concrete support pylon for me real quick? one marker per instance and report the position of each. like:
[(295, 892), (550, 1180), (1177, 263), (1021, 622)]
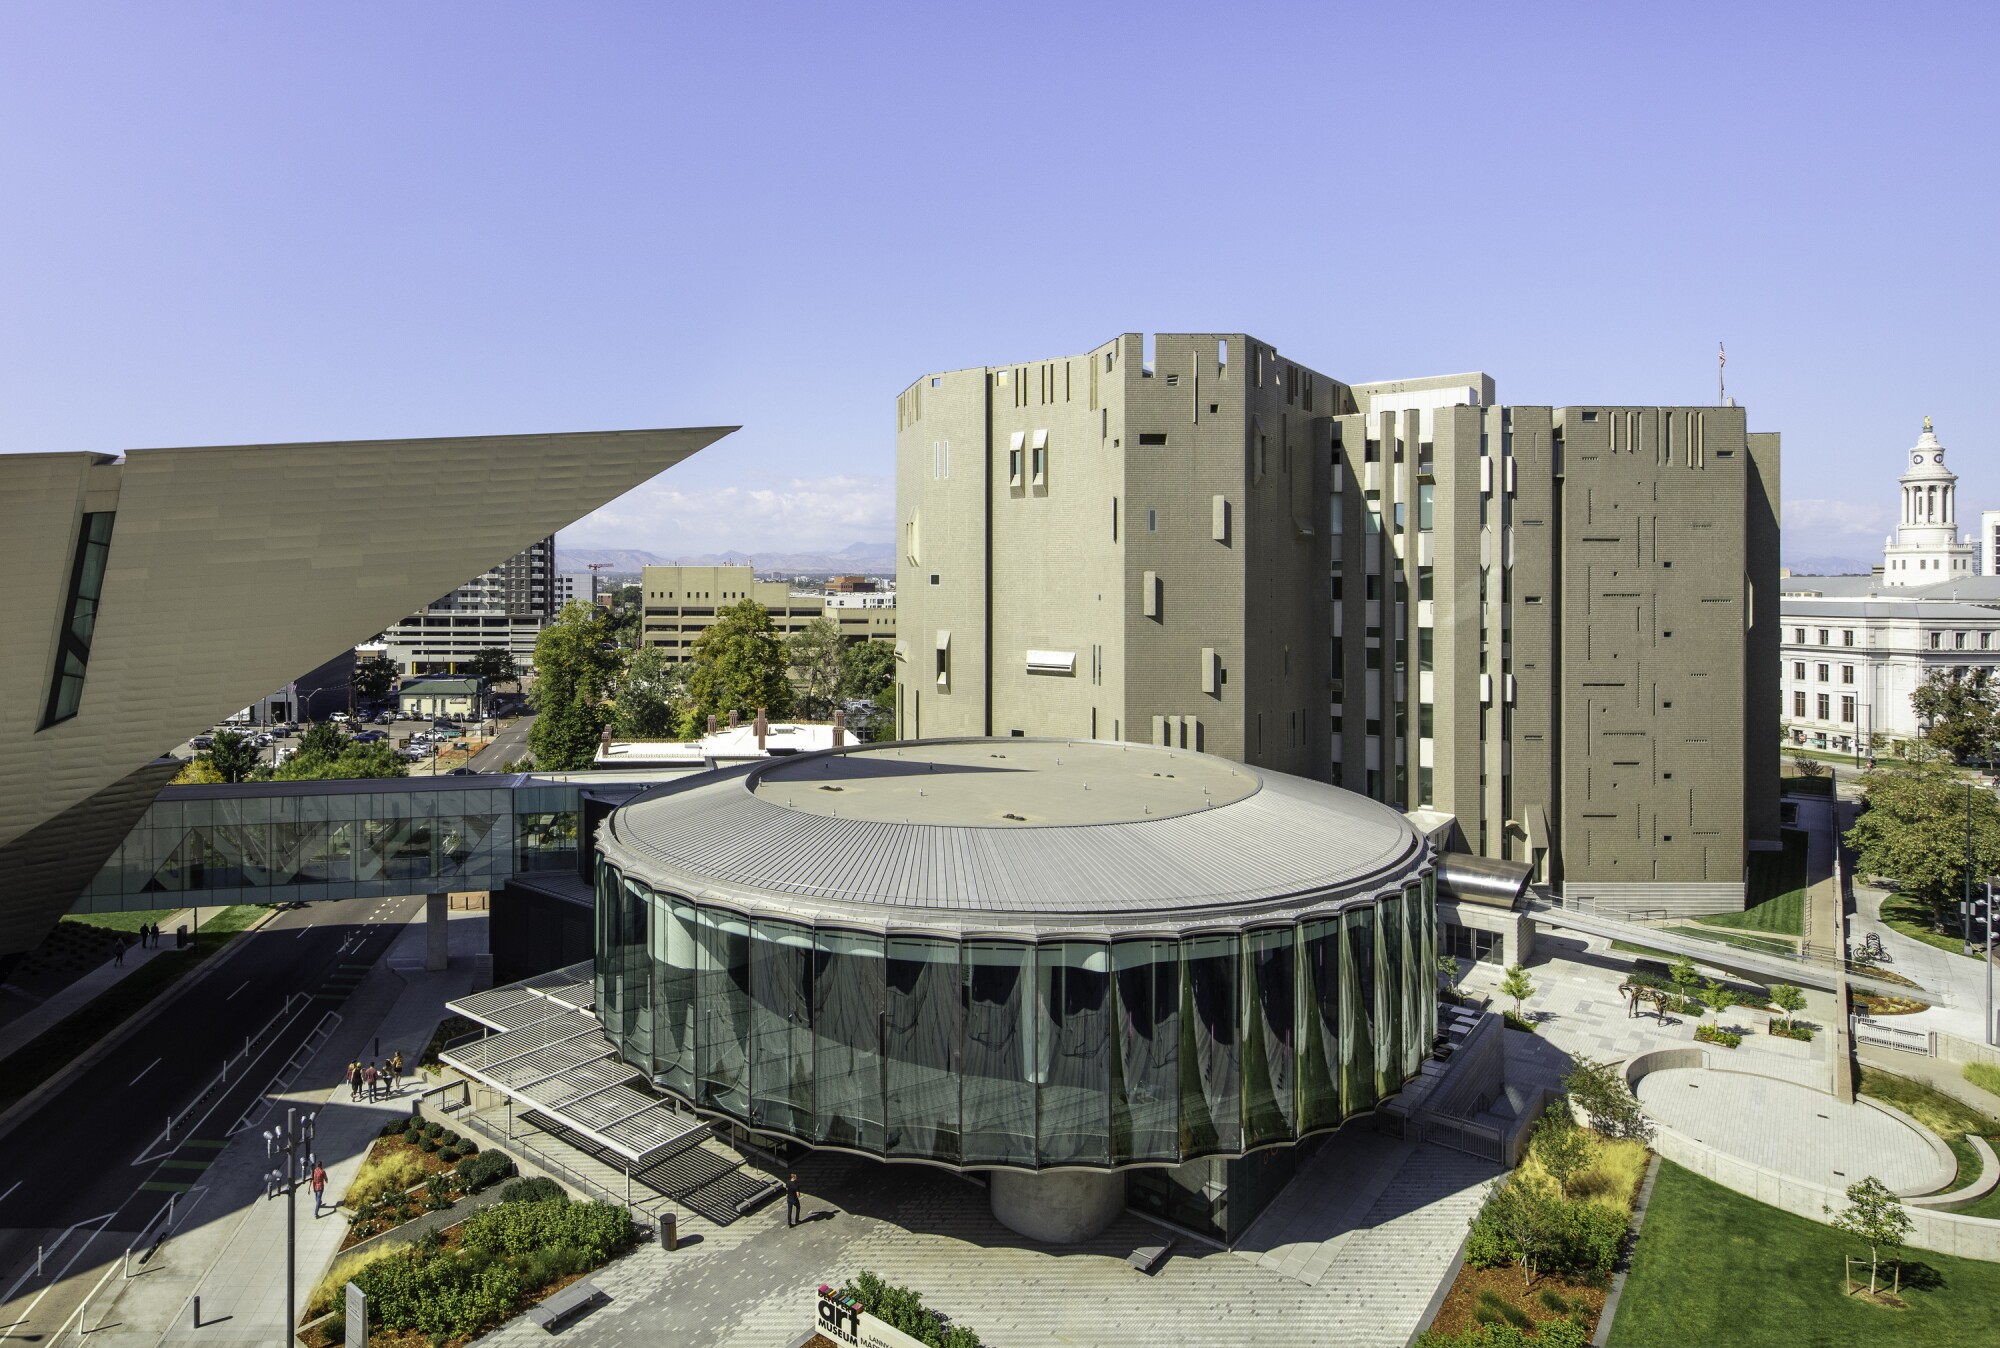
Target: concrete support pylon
[(437, 935)]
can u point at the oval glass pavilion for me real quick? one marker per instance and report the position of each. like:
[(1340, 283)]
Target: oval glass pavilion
[(1018, 954)]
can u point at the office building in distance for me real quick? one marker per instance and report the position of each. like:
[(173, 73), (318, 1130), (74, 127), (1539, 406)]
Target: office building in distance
[(679, 603), (1554, 625), (506, 606)]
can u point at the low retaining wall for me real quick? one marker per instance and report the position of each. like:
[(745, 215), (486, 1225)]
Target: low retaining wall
[(1945, 1232)]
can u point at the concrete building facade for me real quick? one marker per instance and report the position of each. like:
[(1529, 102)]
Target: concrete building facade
[(681, 602), (506, 606), (1550, 623)]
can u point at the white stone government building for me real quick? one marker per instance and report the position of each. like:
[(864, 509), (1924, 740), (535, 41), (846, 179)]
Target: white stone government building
[(1855, 648)]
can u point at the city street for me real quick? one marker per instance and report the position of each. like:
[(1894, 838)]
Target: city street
[(88, 1170), (511, 743)]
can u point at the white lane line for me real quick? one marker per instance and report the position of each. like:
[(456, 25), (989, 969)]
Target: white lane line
[(142, 1072), (231, 997), (10, 1189)]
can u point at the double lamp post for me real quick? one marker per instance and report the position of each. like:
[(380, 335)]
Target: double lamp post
[(294, 1143)]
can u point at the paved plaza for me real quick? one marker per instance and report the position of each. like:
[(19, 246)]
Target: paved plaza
[(1360, 1247), (1792, 1130)]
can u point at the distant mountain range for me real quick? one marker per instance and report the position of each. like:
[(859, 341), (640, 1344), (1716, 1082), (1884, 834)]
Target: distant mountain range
[(1830, 566), (855, 559)]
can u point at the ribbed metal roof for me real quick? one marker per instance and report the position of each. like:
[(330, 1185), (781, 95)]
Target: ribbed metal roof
[(1286, 841)]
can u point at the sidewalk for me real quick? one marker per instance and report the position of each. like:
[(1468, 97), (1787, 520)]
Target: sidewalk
[(230, 1242), (78, 994)]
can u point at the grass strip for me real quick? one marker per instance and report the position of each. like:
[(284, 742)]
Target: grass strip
[(1913, 919), (1714, 1267), (1777, 891), (68, 1039)]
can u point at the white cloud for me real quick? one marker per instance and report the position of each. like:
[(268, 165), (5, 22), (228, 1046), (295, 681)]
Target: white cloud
[(1818, 525), (794, 514)]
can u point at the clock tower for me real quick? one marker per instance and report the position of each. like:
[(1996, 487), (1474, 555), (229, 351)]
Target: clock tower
[(1926, 548)]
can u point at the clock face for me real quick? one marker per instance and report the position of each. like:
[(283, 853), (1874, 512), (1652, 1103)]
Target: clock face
[(1917, 459), (1937, 458)]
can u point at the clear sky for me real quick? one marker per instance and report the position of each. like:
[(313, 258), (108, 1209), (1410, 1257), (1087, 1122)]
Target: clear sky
[(227, 223)]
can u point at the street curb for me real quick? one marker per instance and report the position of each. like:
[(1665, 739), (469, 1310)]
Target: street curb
[(1604, 1317), (16, 1113)]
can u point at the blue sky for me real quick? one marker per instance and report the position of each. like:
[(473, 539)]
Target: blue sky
[(238, 222)]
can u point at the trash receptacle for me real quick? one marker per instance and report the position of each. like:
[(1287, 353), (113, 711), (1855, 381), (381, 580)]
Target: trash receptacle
[(669, 1235), (180, 936)]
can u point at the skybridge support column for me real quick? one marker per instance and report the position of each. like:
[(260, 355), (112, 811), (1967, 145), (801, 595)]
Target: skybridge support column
[(437, 935)]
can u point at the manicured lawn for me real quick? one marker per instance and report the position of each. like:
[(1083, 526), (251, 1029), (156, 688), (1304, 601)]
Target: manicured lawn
[(1914, 919), (1946, 1115), (1715, 1268), (1777, 891), (126, 922)]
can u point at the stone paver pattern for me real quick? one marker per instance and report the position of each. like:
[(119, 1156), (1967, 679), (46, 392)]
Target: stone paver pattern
[(1366, 1283), (1790, 1129)]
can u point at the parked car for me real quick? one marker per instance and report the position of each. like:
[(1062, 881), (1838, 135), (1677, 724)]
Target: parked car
[(461, 772), (202, 742), (339, 718), (370, 736), (385, 718)]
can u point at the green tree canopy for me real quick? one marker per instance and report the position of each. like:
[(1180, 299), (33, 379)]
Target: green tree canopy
[(353, 760), (1914, 831), (1876, 1215), (322, 739), (738, 665), (232, 757), (1962, 708), (575, 667), (373, 678), (1598, 1089), (868, 669), (814, 656), (647, 704), (494, 664)]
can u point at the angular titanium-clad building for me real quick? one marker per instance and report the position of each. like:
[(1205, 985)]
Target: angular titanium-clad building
[(1101, 973), (150, 596)]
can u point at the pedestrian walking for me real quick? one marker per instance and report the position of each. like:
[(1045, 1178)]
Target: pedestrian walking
[(396, 1073), (146, 934), (354, 1081), (118, 952), (792, 1200), (318, 1187), (370, 1076)]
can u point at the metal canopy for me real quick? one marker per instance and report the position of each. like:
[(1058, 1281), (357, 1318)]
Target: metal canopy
[(552, 1056)]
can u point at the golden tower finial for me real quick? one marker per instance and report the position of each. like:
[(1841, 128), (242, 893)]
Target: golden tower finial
[(1927, 424)]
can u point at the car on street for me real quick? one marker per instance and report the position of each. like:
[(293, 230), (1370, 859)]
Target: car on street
[(202, 742), (370, 736), (462, 772)]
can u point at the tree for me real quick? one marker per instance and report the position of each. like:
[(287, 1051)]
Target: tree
[(1517, 985), (373, 678), (1717, 998), (232, 757), (1448, 970), (197, 771), (1561, 1148), (814, 656), (494, 665), (322, 739), (575, 667), (1788, 999), (649, 691), (1961, 707), (1527, 1212), (1685, 976), (353, 761), (738, 664), (1809, 767), (1875, 1215), (1913, 830), (868, 669), (1599, 1091)]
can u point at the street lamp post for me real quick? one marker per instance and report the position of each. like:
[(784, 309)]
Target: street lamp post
[(290, 1141)]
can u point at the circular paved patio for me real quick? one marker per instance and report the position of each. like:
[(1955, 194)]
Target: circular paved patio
[(1791, 1129)]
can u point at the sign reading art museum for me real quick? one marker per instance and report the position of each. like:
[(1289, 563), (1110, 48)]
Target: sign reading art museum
[(841, 1319)]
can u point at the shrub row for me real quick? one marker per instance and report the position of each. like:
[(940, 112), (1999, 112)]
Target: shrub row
[(536, 1190), (478, 1171), (1793, 1029), (1709, 1034), (1529, 1224), (1547, 1334), (507, 1253), (902, 1309)]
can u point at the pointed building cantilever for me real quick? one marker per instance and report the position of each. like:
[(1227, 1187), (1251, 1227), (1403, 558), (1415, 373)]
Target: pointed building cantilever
[(150, 596)]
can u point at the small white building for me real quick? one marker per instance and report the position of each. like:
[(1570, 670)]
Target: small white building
[(727, 747)]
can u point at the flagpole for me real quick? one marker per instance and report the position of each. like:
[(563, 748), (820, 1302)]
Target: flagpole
[(1721, 360)]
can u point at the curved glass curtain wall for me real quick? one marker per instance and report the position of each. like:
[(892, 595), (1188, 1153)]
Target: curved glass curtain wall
[(1012, 1053)]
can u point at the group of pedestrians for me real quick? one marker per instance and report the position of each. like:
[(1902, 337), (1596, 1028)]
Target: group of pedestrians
[(366, 1080), (149, 939)]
